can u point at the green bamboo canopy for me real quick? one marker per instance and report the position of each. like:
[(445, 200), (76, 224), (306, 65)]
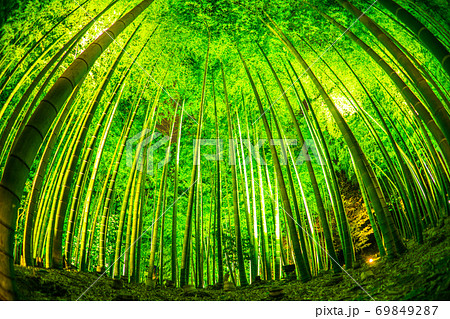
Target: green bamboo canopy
[(206, 142)]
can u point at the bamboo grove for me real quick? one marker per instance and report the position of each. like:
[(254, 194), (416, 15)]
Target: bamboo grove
[(128, 151)]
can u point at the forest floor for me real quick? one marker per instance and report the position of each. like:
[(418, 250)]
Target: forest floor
[(422, 273)]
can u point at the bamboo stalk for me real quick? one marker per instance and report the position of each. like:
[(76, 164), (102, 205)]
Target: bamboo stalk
[(281, 184)]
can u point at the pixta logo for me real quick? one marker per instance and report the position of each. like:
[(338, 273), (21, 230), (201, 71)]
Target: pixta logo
[(307, 153), (141, 149)]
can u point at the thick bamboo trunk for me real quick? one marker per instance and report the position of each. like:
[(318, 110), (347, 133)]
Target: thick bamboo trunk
[(403, 88), (435, 105), (22, 155), (432, 43), (387, 225), (38, 181)]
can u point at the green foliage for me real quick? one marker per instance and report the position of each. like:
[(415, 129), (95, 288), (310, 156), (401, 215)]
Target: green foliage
[(174, 59)]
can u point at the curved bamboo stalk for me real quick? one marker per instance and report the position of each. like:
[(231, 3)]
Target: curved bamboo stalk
[(285, 149), (112, 175), (335, 195), (148, 122), (133, 269), (39, 178), (5, 134), (311, 173), (406, 191), (218, 202), (305, 276), (387, 226), (82, 175), (22, 155), (432, 43), (248, 207), (265, 239), (403, 88), (445, 34), (173, 262), (436, 106), (160, 205), (408, 197), (236, 217), (254, 201), (67, 47), (198, 230), (49, 186), (8, 78), (184, 269), (53, 198), (108, 188), (83, 254)]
